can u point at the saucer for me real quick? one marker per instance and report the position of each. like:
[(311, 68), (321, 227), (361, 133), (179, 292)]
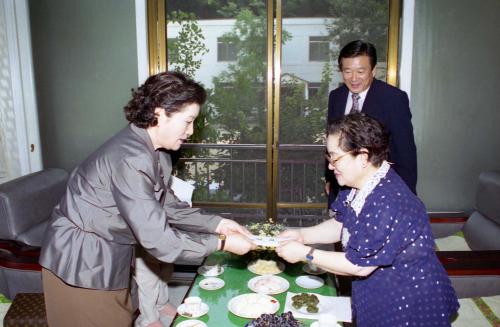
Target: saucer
[(192, 323), (313, 270), (310, 282), (316, 324), (202, 311), (211, 283)]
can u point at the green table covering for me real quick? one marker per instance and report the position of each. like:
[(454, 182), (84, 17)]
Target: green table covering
[(236, 275)]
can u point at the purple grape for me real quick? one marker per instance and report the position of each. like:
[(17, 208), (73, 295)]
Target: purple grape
[(273, 320)]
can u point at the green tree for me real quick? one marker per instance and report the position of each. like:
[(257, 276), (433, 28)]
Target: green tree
[(359, 19), (185, 54)]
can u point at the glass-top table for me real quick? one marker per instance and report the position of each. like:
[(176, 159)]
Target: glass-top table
[(236, 276)]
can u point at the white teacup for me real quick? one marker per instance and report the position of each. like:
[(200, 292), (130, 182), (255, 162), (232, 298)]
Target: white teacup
[(212, 271), (192, 304), (327, 320)]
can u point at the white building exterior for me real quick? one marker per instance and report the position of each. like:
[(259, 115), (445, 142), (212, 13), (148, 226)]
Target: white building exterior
[(295, 52)]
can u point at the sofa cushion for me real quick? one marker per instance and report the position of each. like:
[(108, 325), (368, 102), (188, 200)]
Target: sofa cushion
[(27, 201), (481, 233), (488, 195)]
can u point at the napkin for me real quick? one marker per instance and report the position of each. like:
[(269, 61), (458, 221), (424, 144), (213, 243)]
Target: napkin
[(182, 189), (339, 306)]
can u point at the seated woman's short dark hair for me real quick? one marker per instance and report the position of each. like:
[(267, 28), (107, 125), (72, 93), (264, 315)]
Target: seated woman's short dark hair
[(358, 131), (168, 90)]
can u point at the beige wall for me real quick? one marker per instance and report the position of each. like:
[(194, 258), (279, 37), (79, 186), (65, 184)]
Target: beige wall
[(85, 59), (455, 98)]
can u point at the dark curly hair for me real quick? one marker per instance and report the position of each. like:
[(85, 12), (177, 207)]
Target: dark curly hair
[(358, 131), (168, 90)]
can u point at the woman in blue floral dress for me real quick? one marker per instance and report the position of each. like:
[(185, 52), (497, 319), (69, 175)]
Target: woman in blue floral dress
[(385, 234)]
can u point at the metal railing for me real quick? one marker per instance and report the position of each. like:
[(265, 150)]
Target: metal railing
[(234, 175)]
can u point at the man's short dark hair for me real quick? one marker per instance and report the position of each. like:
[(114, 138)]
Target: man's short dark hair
[(358, 48), (168, 90)]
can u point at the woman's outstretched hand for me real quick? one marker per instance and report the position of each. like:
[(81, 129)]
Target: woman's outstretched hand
[(292, 251), (292, 234)]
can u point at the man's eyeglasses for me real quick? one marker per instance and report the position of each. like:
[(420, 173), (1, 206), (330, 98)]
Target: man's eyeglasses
[(332, 161)]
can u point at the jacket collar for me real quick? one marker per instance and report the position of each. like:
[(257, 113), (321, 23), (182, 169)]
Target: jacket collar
[(143, 135)]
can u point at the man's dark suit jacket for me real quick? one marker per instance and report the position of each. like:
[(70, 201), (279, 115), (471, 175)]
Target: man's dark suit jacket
[(390, 106)]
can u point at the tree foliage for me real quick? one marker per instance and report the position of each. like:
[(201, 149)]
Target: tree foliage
[(359, 19)]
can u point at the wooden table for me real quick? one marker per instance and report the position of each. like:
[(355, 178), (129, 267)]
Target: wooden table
[(236, 275)]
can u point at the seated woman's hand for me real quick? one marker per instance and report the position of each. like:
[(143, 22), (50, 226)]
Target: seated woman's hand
[(292, 234), (292, 251), (238, 244), (228, 226)]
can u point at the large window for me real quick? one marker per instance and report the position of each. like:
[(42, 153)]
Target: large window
[(259, 141)]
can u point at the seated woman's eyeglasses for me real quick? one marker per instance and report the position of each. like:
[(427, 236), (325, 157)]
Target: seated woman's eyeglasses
[(332, 161)]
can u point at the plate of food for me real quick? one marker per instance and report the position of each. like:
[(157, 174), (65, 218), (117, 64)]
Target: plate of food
[(310, 282), (265, 229), (307, 303), (265, 235), (210, 271), (252, 305), (211, 283), (313, 269), (192, 323), (268, 284), (266, 267), (192, 307)]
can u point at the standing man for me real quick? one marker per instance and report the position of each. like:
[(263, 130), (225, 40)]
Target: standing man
[(389, 105)]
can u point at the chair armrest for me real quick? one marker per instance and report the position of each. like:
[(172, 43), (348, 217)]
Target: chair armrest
[(470, 263), (20, 249), (12, 261), (447, 223), (26, 204)]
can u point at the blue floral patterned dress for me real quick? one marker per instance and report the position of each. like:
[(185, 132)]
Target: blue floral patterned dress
[(386, 225)]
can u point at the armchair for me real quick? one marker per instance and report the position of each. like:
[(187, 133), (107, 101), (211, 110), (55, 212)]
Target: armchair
[(25, 207), (474, 273)]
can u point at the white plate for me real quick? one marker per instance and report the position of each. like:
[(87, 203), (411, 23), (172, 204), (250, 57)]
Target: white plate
[(210, 271), (192, 323), (255, 270), (313, 270), (183, 312), (268, 284), (211, 283), (310, 282), (316, 324), (268, 241), (252, 305)]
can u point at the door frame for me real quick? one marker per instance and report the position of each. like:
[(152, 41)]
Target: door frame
[(16, 14)]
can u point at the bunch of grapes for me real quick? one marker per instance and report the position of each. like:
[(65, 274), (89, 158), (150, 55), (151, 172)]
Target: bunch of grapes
[(273, 320)]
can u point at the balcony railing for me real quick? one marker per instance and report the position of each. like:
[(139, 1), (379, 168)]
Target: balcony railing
[(234, 175)]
